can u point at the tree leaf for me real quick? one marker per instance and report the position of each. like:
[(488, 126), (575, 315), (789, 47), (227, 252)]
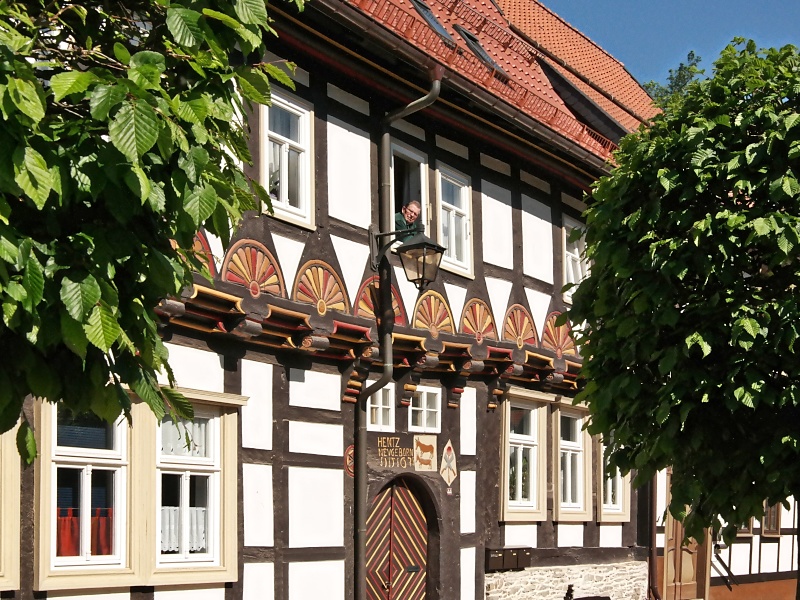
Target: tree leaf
[(254, 85), (182, 407), (222, 17), (73, 335), (26, 442), (103, 99), (102, 328), (253, 12), (134, 129), (121, 53), (200, 203), (183, 25), (27, 97), (80, 296), (790, 186), (193, 163), (32, 175), (146, 69), (34, 281), (71, 82)]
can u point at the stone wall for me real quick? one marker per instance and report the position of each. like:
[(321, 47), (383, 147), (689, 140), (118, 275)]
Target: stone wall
[(619, 581)]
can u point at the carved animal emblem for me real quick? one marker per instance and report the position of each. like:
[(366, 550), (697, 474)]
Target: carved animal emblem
[(422, 450)]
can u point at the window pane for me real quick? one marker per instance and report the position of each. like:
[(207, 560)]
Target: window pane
[(575, 471), (446, 241), (198, 513), (416, 417), (274, 180), (513, 455), (568, 429), (373, 416), (102, 533), (83, 431), (460, 231), (170, 513), (520, 421), (68, 503), (432, 401), (451, 193), (527, 463), (431, 419), (293, 190), (385, 417), (565, 478), (174, 437), (284, 123)]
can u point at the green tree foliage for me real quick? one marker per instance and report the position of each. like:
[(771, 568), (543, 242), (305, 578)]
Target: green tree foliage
[(123, 134), (677, 80), (692, 307)]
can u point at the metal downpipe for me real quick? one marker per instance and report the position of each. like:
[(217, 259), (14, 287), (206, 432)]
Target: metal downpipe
[(385, 327)]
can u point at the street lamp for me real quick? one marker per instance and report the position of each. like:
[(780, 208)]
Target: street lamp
[(420, 255)]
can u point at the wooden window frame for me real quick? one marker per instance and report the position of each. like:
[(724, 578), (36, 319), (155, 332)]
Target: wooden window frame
[(620, 513), (9, 511), (583, 511), (769, 530)]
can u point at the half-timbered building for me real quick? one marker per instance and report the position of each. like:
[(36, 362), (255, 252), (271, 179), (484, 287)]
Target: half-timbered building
[(466, 474)]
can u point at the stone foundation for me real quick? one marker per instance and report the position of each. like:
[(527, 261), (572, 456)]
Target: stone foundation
[(619, 581)]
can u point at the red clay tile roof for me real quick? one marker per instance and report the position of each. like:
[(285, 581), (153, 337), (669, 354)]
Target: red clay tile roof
[(560, 39), (527, 87)]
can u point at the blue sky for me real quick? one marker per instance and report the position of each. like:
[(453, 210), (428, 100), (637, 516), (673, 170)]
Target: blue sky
[(652, 37)]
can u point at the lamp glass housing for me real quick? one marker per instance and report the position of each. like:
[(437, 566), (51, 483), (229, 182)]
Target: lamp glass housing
[(420, 257)]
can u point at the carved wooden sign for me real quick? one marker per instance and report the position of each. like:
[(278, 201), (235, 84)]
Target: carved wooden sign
[(404, 452)]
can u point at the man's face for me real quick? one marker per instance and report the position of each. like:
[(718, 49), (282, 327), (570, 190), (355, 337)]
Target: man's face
[(411, 213)]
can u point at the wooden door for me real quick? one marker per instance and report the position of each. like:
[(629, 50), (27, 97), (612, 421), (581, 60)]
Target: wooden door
[(686, 566), (397, 546)]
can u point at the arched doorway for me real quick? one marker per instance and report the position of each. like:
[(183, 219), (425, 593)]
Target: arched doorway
[(397, 545)]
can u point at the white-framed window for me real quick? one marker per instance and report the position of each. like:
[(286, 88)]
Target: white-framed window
[(134, 505), (454, 202), (576, 267), (90, 469), (287, 155), (187, 488), (574, 466), (380, 409), (425, 411), (614, 492), (410, 179), (524, 456), (9, 512)]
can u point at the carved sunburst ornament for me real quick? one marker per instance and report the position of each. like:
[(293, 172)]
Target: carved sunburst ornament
[(519, 327), (367, 300), (433, 313), (318, 284), (477, 320), (558, 339), (250, 264)]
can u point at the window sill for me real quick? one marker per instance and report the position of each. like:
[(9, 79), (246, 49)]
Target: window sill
[(523, 515), (281, 215), (466, 272)]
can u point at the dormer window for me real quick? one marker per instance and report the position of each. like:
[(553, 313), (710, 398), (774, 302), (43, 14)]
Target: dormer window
[(475, 45), (426, 13)]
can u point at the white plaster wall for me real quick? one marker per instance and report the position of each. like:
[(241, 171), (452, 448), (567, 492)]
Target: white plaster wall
[(467, 573), (468, 420), (321, 580), (740, 558), (661, 488), (755, 557), (537, 239), (312, 389), (495, 164), (257, 413), (785, 558), (217, 250), (769, 557), (353, 258), (499, 291), (349, 190), (258, 581), (289, 253), (195, 369), (787, 516), (498, 236), (540, 306), (316, 438), (348, 99), (456, 296), (216, 592), (570, 534), (91, 595), (521, 535), (611, 536), (257, 510), (316, 507), (451, 146), (468, 488), (408, 292)]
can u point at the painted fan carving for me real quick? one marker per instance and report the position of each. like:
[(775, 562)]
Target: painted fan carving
[(433, 314), (250, 264), (367, 300), (202, 250), (477, 320), (558, 339), (318, 284), (519, 327)]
